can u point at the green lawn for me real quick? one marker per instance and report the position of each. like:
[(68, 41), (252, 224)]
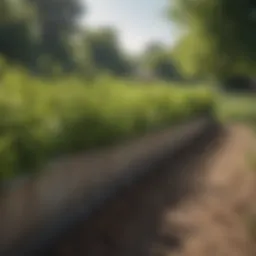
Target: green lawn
[(237, 108)]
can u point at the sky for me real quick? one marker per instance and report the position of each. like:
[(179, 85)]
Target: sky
[(137, 21)]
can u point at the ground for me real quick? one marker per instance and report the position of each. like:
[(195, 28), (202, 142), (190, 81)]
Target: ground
[(216, 219)]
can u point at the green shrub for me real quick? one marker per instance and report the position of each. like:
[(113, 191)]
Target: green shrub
[(41, 119)]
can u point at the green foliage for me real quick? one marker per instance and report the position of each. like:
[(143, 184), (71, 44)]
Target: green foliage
[(41, 119), (30, 29), (218, 38), (158, 61), (13, 11), (57, 22), (58, 16), (9, 48), (103, 50), (15, 31)]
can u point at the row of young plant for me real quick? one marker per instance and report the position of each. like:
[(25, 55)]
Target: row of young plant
[(40, 119)]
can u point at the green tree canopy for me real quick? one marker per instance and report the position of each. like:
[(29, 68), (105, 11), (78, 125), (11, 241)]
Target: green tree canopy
[(57, 22), (158, 61), (219, 35), (104, 51), (15, 31)]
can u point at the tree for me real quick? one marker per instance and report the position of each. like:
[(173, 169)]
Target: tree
[(158, 61), (57, 22), (16, 39), (103, 50), (219, 35)]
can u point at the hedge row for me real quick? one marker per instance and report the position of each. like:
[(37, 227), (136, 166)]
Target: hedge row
[(41, 119)]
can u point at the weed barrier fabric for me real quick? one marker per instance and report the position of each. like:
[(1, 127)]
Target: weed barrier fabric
[(53, 203)]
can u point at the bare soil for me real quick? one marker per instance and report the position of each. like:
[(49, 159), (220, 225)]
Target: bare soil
[(215, 222), (202, 210), (152, 220)]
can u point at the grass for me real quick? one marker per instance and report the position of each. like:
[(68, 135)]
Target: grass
[(237, 108), (252, 161), (251, 227), (41, 119)]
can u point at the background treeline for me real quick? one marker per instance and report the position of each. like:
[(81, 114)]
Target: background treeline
[(40, 34), (217, 41)]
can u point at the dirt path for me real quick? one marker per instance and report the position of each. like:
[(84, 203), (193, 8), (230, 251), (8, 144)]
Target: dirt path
[(153, 219), (214, 223), (211, 222)]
